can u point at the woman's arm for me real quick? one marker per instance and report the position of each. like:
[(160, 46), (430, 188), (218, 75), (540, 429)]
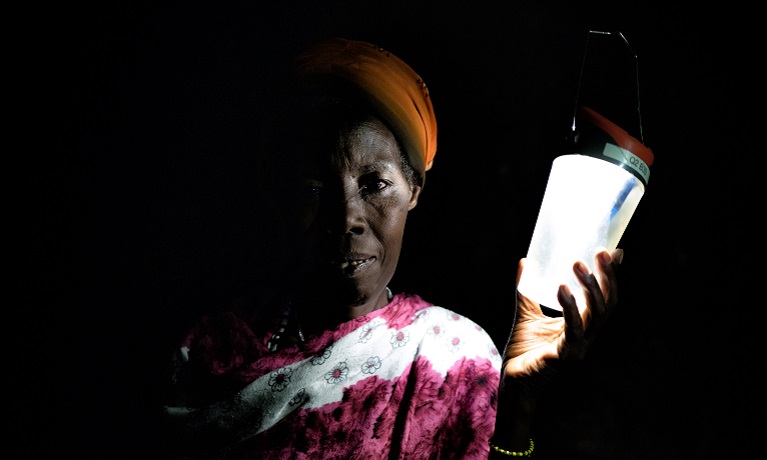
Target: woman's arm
[(539, 344)]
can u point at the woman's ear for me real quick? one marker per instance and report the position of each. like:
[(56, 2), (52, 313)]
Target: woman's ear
[(414, 197)]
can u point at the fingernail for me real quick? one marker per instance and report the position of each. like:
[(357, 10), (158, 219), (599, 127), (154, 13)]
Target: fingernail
[(619, 256), (605, 257), (582, 268)]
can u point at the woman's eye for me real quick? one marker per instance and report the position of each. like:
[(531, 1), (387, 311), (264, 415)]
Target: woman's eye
[(311, 191), (373, 186)]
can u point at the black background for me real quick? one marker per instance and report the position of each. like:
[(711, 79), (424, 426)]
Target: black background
[(149, 210)]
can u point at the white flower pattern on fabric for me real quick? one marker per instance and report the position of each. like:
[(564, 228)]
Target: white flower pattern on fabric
[(371, 365), (437, 331), (495, 355), (452, 316), (280, 379), (337, 374), (366, 331), (298, 397), (320, 359), (454, 344), (399, 338)]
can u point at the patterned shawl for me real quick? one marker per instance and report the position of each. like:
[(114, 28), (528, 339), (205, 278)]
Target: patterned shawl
[(411, 380)]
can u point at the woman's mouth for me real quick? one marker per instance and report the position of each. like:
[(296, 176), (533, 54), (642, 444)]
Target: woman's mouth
[(352, 265)]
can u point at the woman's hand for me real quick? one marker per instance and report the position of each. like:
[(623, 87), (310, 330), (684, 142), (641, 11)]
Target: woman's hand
[(538, 341)]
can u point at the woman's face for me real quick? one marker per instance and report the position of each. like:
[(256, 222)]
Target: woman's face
[(353, 206)]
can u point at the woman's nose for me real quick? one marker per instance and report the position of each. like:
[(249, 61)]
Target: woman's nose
[(348, 214)]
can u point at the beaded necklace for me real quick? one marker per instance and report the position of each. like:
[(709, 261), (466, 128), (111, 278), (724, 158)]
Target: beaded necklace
[(274, 341)]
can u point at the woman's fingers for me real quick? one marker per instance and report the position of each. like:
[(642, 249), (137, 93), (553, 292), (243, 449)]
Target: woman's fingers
[(572, 334), (570, 348), (592, 289), (610, 267)]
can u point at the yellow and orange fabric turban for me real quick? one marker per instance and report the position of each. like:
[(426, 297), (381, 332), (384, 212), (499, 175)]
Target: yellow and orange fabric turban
[(394, 89)]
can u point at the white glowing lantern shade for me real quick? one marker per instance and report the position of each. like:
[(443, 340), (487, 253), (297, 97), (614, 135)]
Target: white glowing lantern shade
[(589, 200)]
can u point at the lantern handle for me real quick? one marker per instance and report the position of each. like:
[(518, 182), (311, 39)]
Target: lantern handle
[(636, 69)]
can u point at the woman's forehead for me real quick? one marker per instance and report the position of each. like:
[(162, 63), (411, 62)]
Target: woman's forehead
[(363, 145)]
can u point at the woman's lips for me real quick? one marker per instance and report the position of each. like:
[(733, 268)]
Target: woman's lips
[(351, 265)]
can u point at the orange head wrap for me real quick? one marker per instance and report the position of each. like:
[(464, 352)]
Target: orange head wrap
[(393, 88)]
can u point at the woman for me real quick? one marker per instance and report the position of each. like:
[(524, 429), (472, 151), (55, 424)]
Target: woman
[(331, 363)]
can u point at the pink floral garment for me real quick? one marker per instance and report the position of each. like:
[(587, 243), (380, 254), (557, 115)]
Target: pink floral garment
[(409, 381)]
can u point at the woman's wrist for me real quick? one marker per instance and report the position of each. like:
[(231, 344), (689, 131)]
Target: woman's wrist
[(513, 424)]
